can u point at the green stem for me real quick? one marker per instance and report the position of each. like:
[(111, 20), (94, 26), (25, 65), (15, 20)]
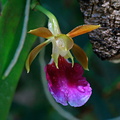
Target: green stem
[(47, 13), (52, 18)]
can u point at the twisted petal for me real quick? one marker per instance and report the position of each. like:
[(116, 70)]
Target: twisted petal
[(66, 84), (41, 32), (80, 56), (82, 30), (34, 53), (69, 55), (55, 58)]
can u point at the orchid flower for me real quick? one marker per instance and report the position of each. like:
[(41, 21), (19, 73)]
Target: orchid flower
[(62, 44), (65, 80)]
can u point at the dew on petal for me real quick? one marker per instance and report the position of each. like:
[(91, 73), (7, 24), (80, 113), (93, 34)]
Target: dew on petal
[(81, 89)]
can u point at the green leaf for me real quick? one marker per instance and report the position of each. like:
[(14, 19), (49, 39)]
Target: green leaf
[(3, 2), (11, 23)]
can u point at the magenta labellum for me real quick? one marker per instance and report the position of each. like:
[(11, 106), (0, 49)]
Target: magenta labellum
[(66, 84)]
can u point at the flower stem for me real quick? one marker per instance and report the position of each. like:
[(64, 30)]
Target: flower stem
[(51, 17)]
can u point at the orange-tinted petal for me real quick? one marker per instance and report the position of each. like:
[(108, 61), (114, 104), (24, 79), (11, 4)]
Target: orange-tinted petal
[(82, 30), (41, 32), (33, 54), (80, 56)]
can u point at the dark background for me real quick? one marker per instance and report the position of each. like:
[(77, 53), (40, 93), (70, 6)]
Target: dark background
[(30, 102)]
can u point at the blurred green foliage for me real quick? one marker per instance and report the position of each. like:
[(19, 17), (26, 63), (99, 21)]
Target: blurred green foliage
[(29, 102)]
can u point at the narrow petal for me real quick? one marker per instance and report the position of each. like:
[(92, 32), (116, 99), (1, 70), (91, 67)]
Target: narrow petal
[(69, 55), (82, 30), (41, 32), (66, 84), (55, 58), (34, 53), (80, 56)]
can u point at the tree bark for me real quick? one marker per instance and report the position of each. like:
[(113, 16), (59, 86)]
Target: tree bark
[(105, 40)]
